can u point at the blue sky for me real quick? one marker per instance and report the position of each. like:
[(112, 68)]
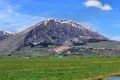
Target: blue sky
[(101, 15)]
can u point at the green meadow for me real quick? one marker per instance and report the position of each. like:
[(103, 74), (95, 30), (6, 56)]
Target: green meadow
[(58, 68)]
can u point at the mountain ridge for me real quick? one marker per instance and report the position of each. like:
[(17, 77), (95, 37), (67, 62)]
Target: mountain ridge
[(5, 35)]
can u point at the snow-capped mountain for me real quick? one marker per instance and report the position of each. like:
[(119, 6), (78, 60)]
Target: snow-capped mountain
[(59, 31), (5, 34), (55, 32)]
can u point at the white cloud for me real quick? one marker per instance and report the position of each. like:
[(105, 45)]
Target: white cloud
[(94, 3), (106, 7), (11, 19), (97, 4)]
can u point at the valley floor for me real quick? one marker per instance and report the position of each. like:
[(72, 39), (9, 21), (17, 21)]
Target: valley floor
[(58, 68)]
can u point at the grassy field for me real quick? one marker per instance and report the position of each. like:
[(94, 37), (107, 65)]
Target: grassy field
[(58, 68)]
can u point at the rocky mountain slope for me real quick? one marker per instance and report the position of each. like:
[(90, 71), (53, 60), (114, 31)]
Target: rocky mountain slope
[(59, 31), (5, 35), (50, 32)]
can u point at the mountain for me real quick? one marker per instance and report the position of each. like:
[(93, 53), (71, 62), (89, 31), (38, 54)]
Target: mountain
[(5, 35), (59, 31), (50, 32)]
